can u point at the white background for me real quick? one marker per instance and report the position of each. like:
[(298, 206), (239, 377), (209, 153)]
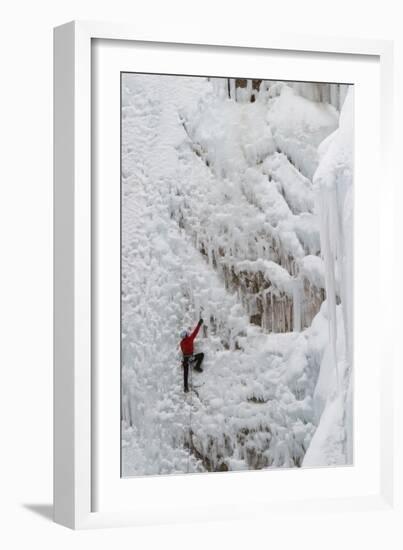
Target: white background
[(26, 268)]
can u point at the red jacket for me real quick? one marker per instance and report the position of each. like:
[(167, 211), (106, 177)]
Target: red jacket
[(187, 342)]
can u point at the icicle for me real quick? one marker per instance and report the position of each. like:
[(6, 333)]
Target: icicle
[(232, 88), (329, 231), (249, 90), (297, 294)]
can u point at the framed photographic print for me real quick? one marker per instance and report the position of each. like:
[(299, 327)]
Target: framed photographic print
[(216, 220)]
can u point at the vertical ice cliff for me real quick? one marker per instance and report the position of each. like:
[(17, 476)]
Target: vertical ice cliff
[(333, 181), (236, 205)]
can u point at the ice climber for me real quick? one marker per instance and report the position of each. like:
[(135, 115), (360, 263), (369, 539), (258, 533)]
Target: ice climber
[(190, 358)]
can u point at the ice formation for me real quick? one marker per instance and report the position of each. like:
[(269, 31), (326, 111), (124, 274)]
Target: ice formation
[(237, 207)]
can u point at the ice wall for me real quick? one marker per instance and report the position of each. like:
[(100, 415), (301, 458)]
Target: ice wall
[(333, 182), (255, 166), (221, 219), (322, 92)]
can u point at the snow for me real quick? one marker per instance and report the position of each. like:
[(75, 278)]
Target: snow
[(272, 272), (221, 220), (333, 181), (299, 125), (312, 268), (296, 187)]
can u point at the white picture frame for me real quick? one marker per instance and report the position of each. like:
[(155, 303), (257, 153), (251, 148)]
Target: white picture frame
[(77, 471)]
